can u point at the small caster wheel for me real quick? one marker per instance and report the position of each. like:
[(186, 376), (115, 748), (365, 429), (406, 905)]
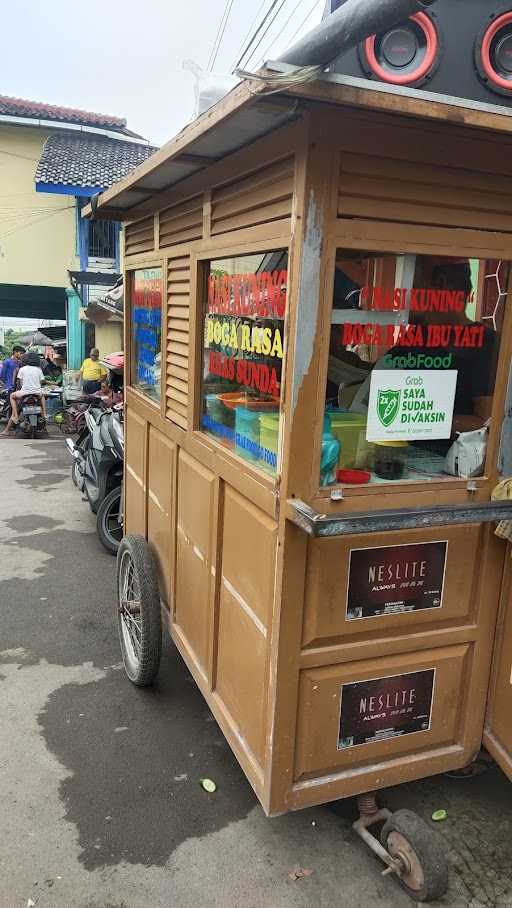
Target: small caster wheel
[(420, 850)]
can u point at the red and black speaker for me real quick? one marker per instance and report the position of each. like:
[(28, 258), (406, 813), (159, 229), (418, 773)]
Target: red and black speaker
[(456, 48)]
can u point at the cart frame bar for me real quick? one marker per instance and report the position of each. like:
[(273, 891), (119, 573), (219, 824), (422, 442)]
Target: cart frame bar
[(316, 524)]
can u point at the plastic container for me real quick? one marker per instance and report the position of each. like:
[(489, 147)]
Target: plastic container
[(350, 430), (247, 433), (53, 404), (236, 399), (390, 459), (215, 413), (71, 389), (331, 447), (269, 440), (214, 407)]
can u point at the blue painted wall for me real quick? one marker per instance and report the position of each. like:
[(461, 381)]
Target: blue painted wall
[(75, 329)]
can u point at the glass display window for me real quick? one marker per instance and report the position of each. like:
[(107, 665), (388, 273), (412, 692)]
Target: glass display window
[(146, 315), (243, 352), (413, 355)]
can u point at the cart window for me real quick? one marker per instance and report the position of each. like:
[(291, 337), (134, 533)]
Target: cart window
[(147, 330), (412, 365), (244, 312)]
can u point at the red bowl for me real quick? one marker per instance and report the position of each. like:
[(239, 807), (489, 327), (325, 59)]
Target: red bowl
[(353, 477)]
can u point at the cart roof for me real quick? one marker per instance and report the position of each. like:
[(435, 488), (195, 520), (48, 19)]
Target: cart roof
[(250, 111)]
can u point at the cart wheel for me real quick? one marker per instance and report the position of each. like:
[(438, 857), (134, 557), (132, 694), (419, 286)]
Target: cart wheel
[(139, 620), (406, 836)]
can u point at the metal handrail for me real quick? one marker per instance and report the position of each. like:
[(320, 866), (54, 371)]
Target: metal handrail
[(316, 524)]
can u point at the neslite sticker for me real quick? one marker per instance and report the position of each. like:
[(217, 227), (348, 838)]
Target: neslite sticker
[(396, 578), (383, 708)]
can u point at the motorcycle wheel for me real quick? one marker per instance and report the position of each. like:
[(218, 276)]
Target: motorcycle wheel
[(110, 531), (75, 473)]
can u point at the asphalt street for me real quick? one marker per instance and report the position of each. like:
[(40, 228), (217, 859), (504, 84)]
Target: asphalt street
[(100, 802)]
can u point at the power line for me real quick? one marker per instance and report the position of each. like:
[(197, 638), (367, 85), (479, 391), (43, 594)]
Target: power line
[(220, 34), (302, 24), (270, 24), (248, 35), (256, 33), (15, 229), (24, 157), (274, 40)]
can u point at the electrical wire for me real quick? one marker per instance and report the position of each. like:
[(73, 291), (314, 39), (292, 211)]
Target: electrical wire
[(16, 229), (220, 34), (269, 26), (276, 39), (248, 35), (24, 157), (277, 82), (280, 81), (302, 24), (256, 33)]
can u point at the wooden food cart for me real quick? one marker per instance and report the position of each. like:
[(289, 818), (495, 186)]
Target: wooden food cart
[(316, 302)]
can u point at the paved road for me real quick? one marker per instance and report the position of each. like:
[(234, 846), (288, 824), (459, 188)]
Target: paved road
[(100, 805)]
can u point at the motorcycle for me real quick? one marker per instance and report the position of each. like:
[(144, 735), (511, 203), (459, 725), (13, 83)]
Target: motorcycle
[(30, 416), (5, 403), (98, 454)]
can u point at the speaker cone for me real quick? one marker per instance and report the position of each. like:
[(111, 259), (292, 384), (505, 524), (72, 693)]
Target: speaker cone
[(494, 54), (404, 55)]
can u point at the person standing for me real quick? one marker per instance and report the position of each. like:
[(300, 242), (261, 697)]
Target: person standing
[(92, 372), (10, 366)]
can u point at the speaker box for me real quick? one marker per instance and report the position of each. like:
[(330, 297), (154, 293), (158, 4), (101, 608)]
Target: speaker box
[(457, 48)]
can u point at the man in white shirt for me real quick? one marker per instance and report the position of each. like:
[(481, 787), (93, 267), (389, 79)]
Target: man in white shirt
[(30, 378)]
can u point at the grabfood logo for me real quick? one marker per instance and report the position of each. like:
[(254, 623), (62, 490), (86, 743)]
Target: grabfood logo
[(418, 361), (388, 403)]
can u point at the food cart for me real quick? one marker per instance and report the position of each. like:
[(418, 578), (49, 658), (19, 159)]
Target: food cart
[(318, 343)]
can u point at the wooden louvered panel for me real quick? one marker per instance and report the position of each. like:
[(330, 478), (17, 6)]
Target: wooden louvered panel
[(179, 384), (178, 324), (182, 223), (382, 189), (177, 362), (178, 340), (177, 287), (139, 237), (181, 311), (177, 372), (263, 196), (178, 337)]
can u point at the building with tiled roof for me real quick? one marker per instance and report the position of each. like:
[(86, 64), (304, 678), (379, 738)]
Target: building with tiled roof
[(52, 160), (36, 110), (87, 163)]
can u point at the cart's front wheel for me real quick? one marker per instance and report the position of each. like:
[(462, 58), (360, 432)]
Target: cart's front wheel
[(139, 620), (420, 850)]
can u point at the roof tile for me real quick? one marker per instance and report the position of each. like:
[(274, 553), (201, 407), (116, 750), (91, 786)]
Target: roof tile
[(19, 107), (92, 162)]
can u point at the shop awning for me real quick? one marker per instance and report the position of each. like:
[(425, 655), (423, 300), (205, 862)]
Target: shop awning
[(250, 111), (31, 301), (93, 278)]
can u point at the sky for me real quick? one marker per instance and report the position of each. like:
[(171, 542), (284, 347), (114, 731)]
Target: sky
[(125, 57)]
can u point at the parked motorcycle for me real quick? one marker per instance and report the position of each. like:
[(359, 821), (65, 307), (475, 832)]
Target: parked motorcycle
[(99, 453)]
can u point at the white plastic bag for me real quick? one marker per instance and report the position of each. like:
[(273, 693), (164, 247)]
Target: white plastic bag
[(209, 87), (466, 456)]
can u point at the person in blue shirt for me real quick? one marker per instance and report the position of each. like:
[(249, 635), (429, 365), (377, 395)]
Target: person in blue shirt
[(10, 366)]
